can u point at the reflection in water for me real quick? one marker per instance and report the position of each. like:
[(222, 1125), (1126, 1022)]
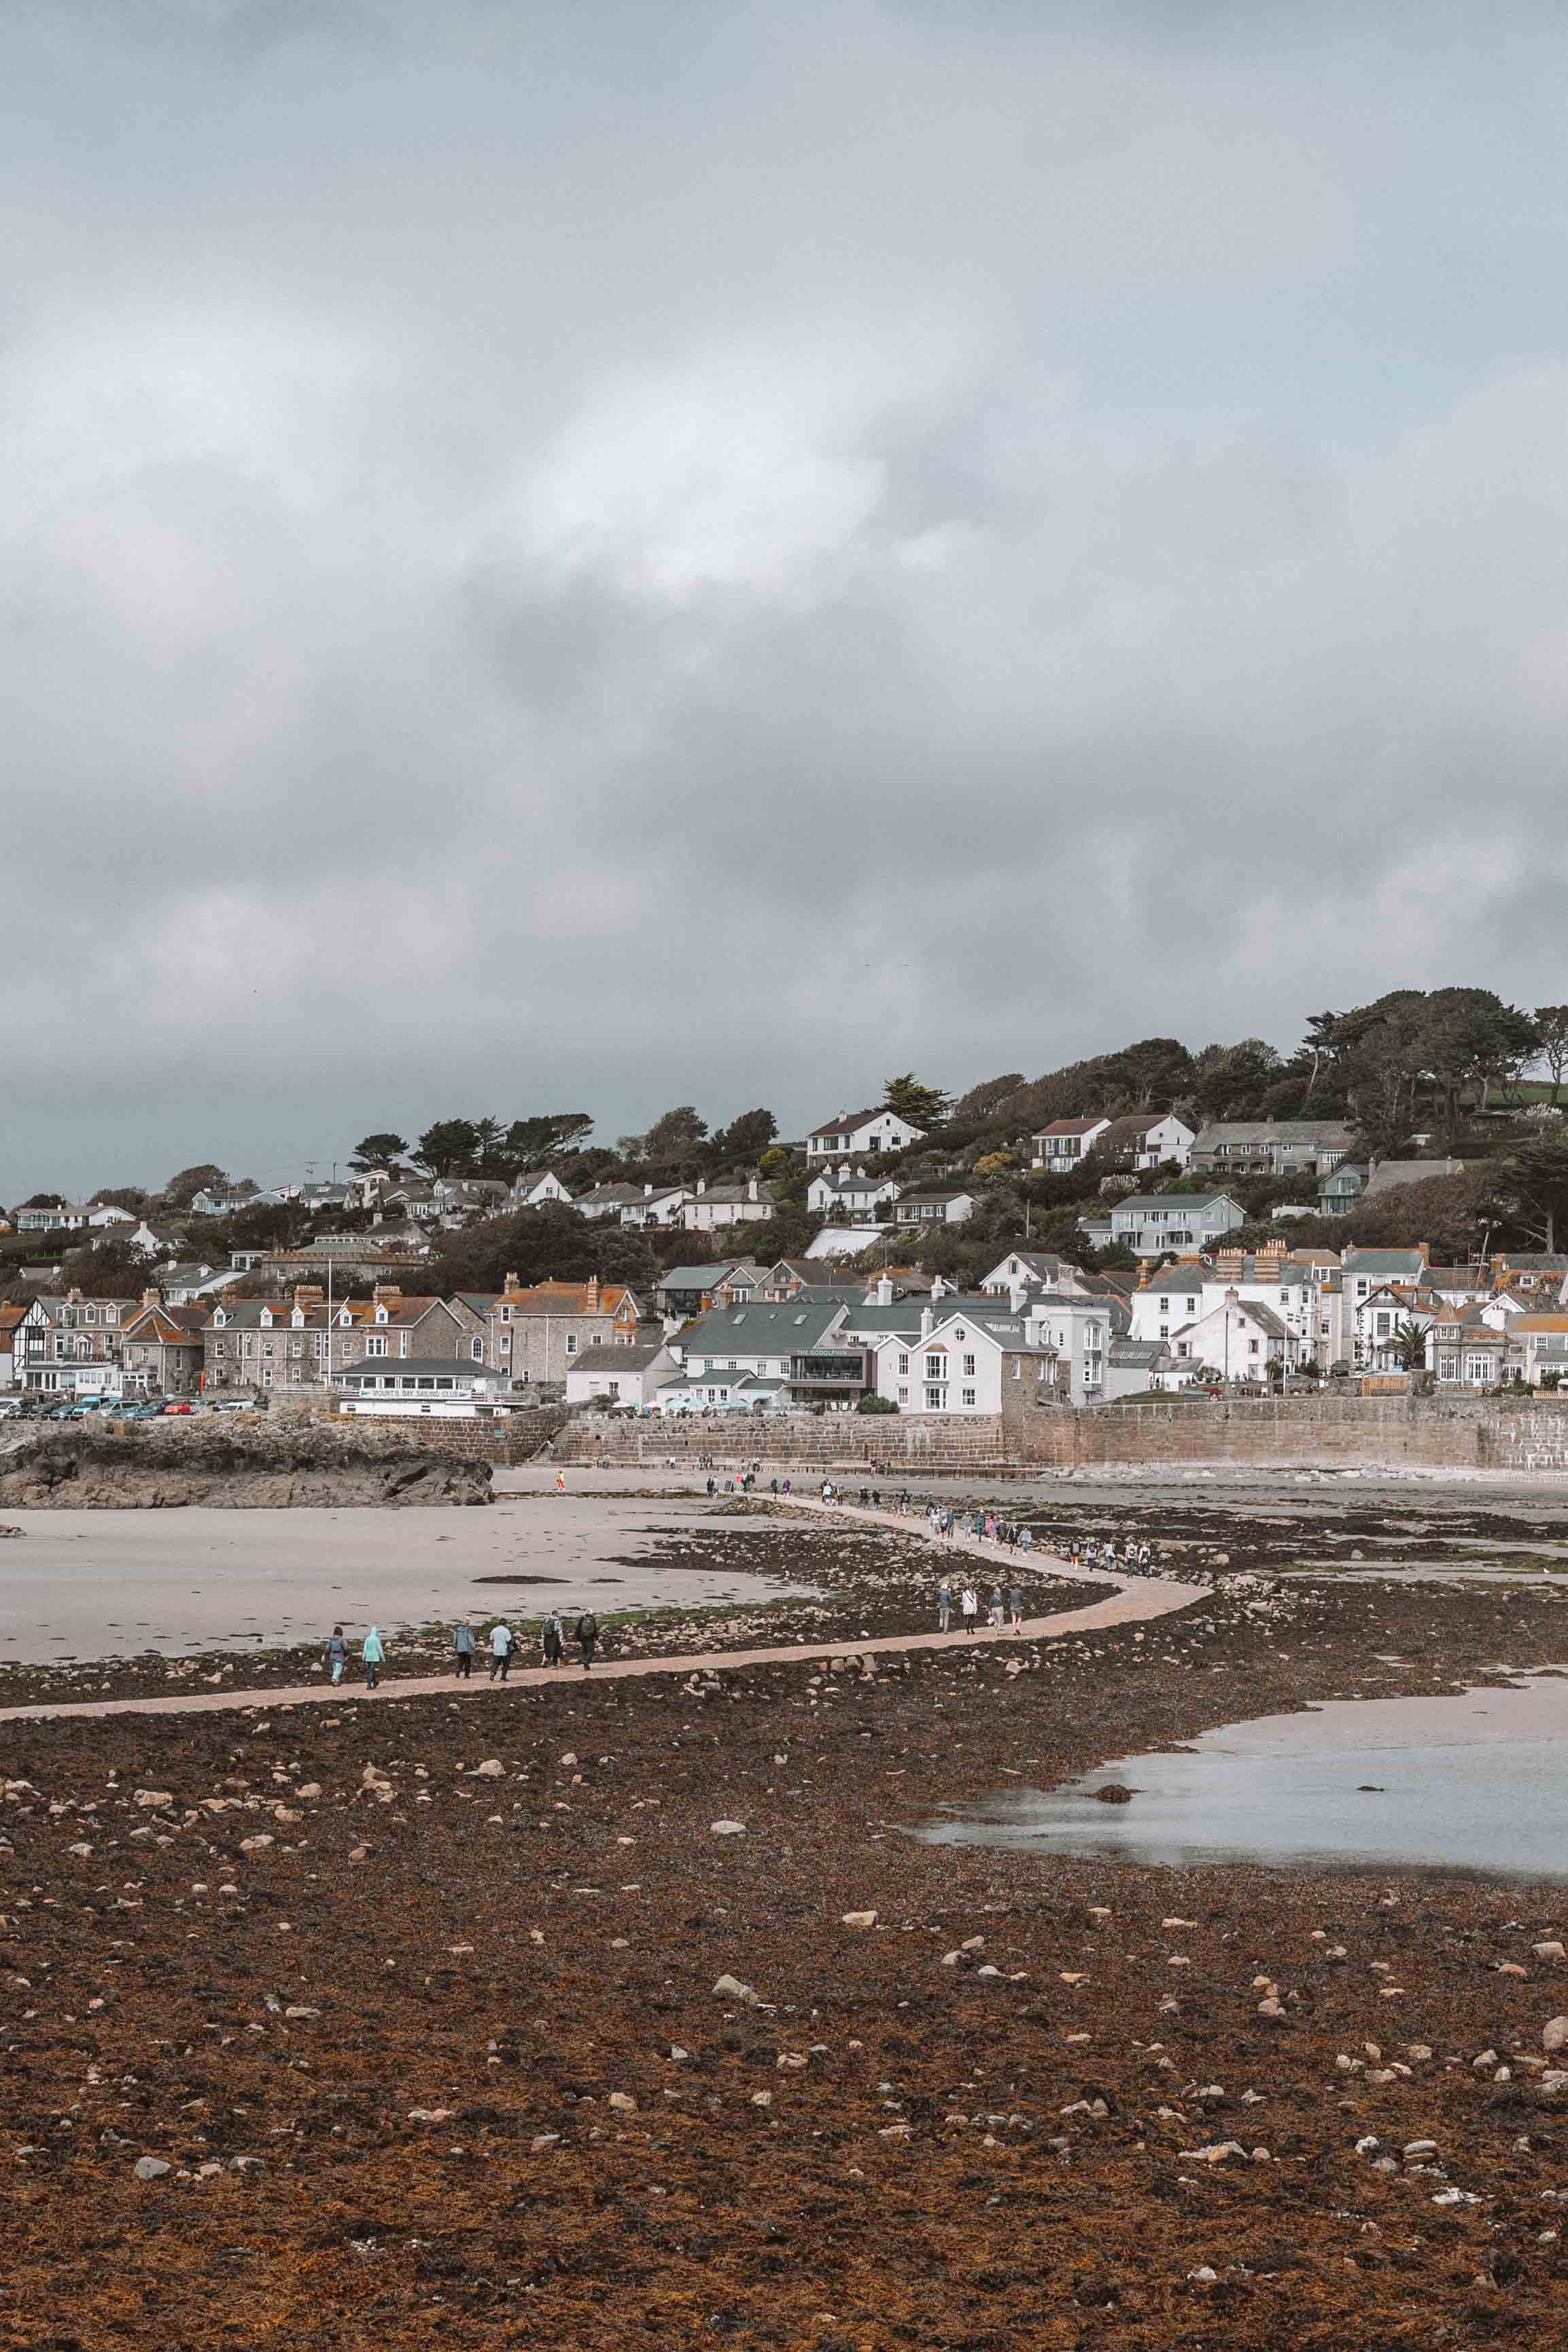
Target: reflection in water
[(1476, 1781)]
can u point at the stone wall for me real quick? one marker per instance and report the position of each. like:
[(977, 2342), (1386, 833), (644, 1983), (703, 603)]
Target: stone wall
[(1327, 1432)]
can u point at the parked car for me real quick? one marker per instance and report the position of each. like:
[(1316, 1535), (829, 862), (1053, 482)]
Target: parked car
[(145, 1411), (176, 1404), (10, 1408)]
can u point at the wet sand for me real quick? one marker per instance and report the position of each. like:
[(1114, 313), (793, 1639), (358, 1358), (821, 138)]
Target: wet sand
[(115, 1583)]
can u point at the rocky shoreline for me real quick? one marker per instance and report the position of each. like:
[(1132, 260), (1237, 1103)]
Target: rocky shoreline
[(262, 1466), (413, 2023)]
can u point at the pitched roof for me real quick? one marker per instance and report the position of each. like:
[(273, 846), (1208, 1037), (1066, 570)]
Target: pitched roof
[(1288, 1131), (563, 1299), (1129, 1128), (1073, 1126), (847, 1118), (696, 1277), (1389, 1172), (1386, 1261), (1189, 1203), (766, 1327)]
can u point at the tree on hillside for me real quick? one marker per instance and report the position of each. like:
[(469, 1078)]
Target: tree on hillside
[(381, 1151), (921, 1106), (1531, 1186), (448, 1147), (44, 1201), (1474, 1042), (112, 1270), (531, 1142), (182, 1189), (120, 1196), (1551, 1028), (747, 1136), (984, 1101), (678, 1131), (1227, 1079)]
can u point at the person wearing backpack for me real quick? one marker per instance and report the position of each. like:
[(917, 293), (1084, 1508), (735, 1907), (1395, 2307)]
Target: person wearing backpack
[(587, 1635)]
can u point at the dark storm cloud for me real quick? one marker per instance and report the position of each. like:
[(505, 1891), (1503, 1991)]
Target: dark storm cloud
[(631, 554)]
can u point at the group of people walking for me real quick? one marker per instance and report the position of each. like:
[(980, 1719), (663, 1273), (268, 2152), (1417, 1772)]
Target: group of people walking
[(998, 1611), (501, 1645)]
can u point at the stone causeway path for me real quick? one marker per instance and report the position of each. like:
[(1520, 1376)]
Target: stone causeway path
[(1134, 1598)]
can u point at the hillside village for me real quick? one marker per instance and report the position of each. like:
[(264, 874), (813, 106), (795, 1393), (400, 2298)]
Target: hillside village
[(1381, 1208)]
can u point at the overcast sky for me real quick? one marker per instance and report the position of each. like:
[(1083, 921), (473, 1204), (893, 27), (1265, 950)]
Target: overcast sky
[(606, 555)]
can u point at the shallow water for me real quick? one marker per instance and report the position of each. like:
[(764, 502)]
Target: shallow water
[(1476, 1780)]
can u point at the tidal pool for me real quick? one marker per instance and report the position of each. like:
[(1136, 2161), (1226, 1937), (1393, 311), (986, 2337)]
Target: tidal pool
[(1476, 1780)]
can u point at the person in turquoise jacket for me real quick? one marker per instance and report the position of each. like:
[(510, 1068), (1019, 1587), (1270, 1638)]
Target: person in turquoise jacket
[(375, 1657)]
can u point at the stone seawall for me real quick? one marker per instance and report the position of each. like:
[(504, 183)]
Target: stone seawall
[(1390, 1432)]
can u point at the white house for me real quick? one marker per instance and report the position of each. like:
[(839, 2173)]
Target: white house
[(530, 1191), (636, 1204), (959, 1362), (1141, 1141), (1040, 1267), (849, 1196), (1078, 1332), (713, 1205), (722, 1391), (73, 1217), (1238, 1339), (935, 1204), (1066, 1141), (1150, 1223), (626, 1376), (861, 1131)]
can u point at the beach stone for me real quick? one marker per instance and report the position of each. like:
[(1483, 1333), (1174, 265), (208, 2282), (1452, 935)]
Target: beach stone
[(254, 1844), (1555, 2033), (730, 1988), (623, 2103), (1552, 1951), (152, 1797), (150, 2167), (491, 1768), (729, 1829), (858, 1919)]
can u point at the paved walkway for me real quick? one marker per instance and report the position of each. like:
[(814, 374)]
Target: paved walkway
[(1133, 1599)]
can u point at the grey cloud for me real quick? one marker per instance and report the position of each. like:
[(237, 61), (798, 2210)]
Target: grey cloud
[(712, 552)]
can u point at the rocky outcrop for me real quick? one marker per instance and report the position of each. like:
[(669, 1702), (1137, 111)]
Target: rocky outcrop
[(261, 1465)]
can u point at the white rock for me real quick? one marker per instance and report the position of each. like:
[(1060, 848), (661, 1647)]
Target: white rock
[(731, 1988), (491, 1768), (1555, 2033), (729, 1829), (1552, 1951), (150, 2167), (623, 2103), (153, 1797), (858, 1919)]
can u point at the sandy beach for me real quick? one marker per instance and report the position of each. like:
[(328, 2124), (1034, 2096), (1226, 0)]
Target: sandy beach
[(114, 1583)]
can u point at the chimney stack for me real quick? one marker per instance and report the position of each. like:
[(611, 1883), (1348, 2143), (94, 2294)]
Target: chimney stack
[(152, 1298), (884, 1290), (593, 1294), (927, 1322)]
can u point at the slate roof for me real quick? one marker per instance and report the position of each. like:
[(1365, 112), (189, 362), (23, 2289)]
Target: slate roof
[(762, 1327), (850, 1119), (1389, 1172), (605, 1357)]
